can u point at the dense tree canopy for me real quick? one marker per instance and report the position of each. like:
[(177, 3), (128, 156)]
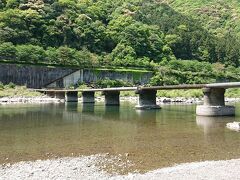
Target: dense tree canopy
[(142, 33)]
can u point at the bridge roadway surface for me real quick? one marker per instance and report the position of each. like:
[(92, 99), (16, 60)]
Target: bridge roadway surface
[(167, 87)]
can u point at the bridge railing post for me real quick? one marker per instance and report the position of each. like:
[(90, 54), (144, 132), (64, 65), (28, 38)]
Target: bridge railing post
[(214, 103), (147, 99)]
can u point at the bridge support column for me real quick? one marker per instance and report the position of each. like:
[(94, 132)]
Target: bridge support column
[(88, 97), (71, 96), (214, 103), (147, 99), (112, 98), (60, 95)]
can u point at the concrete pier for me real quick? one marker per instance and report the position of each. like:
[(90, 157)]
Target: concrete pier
[(112, 98), (71, 96), (147, 99), (214, 103), (60, 95), (88, 97)]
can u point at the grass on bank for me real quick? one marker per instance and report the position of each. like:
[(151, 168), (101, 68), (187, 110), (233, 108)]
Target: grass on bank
[(11, 90), (170, 93), (192, 93)]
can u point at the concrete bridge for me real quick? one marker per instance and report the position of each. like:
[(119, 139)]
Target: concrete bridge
[(214, 100)]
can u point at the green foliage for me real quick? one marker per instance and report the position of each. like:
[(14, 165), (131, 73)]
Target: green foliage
[(30, 53), (11, 85), (112, 83), (126, 33), (193, 72), (7, 51), (1, 86), (233, 93), (127, 94), (11, 90), (193, 93), (123, 55)]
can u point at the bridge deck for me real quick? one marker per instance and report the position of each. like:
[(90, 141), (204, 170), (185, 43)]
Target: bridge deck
[(168, 87), (224, 85), (88, 90)]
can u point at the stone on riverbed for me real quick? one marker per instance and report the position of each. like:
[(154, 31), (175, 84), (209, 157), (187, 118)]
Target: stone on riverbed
[(234, 126)]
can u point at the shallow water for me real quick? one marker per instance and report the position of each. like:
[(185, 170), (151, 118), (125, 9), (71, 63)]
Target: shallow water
[(153, 139)]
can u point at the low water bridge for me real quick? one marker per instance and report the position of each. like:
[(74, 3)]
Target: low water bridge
[(214, 100)]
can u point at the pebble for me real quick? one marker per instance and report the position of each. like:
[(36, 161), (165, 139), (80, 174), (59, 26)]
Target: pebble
[(234, 126), (17, 100), (84, 167), (46, 99)]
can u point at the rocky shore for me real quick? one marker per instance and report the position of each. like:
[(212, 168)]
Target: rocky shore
[(166, 100), (30, 100), (90, 167), (133, 99)]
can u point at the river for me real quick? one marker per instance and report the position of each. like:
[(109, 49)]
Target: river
[(152, 139)]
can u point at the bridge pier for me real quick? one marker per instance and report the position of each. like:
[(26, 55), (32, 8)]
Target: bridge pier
[(147, 99), (88, 97), (214, 103), (71, 96), (112, 98), (60, 95)]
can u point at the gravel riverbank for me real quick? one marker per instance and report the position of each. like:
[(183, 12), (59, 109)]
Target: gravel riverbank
[(159, 100), (87, 167), (30, 100)]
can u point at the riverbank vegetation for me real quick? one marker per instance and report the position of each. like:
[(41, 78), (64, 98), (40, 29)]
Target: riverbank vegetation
[(11, 90), (183, 42), (191, 93)]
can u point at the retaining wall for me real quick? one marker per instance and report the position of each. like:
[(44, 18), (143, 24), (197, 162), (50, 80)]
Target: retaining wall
[(56, 77)]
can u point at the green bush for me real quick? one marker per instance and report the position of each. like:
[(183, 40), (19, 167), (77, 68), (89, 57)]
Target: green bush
[(112, 83), (10, 85), (30, 53), (1, 85), (7, 51)]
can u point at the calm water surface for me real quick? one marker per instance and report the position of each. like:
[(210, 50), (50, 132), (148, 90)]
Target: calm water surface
[(153, 139)]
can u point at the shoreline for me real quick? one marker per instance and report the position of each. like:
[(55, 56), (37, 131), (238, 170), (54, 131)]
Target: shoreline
[(132, 99), (91, 167)]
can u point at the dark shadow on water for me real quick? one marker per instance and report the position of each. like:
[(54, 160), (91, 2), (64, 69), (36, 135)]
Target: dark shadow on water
[(71, 106), (88, 108), (112, 113)]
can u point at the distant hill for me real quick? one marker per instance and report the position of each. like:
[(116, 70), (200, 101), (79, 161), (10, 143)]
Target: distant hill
[(219, 17), (126, 33)]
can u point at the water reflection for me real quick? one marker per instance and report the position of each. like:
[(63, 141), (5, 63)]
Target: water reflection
[(214, 129), (112, 113), (147, 116), (211, 125), (88, 108), (156, 138), (71, 106)]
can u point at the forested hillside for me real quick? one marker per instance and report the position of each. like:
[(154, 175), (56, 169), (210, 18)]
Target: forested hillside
[(157, 34)]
